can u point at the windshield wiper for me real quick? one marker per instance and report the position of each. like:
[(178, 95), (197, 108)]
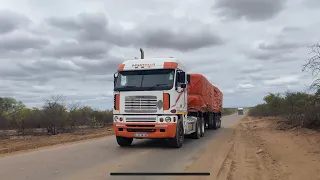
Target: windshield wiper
[(125, 87), (157, 85)]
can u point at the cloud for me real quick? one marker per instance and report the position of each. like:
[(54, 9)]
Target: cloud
[(246, 86), (252, 10), (285, 80), (20, 41), (180, 36), (74, 49), (10, 21), (252, 69)]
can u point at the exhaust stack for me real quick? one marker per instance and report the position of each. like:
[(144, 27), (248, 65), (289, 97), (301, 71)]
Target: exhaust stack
[(142, 53)]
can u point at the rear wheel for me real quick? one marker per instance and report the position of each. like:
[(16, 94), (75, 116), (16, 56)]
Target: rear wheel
[(197, 133), (215, 122), (123, 141), (211, 121), (178, 140), (202, 127), (219, 119)]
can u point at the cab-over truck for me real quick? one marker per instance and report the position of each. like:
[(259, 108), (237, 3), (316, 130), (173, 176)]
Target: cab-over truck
[(154, 98)]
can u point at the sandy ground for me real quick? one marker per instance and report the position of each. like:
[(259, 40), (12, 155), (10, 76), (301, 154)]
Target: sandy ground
[(259, 150), (20, 143)]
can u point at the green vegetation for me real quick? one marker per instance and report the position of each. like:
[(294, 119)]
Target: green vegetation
[(301, 109), (55, 116)]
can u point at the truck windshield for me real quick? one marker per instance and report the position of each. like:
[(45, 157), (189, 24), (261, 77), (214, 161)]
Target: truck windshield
[(145, 80)]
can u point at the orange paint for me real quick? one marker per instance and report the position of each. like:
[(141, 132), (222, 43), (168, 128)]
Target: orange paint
[(166, 101), (121, 67), (117, 102), (170, 130), (170, 65)]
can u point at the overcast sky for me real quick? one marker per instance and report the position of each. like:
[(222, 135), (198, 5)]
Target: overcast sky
[(247, 48)]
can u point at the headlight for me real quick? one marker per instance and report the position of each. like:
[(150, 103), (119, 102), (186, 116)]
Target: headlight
[(168, 119), (115, 118)]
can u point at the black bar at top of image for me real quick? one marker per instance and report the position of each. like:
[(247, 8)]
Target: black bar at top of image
[(161, 174)]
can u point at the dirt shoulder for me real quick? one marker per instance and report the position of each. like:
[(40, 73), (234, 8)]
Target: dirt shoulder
[(22, 143), (262, 149)]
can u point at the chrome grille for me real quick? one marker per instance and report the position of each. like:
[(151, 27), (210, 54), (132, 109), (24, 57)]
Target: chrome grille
[(140, 104), (141, 119)]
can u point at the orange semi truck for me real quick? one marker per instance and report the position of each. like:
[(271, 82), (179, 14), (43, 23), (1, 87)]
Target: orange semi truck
[(155, 99)]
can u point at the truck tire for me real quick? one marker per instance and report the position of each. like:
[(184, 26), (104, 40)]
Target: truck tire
[(215, 122), (123, 141), (211, 121), (197, 133), (178, 140), (202, 127), (219, 117)]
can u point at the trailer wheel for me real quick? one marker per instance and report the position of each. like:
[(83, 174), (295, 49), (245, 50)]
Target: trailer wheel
[(211, 122), (202, 127), (178, 140), (197, 133), (219, 117), (123, 141), (215, 122)]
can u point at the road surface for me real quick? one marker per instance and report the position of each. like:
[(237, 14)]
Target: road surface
[(97, 158)]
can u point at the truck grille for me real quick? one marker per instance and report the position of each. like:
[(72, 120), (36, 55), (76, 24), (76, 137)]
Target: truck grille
[(140, 104), (141, 119)]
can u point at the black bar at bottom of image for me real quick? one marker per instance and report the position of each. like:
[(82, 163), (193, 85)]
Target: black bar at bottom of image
[(160, 174)]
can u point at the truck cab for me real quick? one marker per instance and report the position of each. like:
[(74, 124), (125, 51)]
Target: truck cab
[(240, 111)]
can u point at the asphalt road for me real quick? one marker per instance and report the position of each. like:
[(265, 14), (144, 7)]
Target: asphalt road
[(97, 158)]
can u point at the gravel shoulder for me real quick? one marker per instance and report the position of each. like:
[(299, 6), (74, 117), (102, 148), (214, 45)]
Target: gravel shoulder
[(24, 143), (261, 149)]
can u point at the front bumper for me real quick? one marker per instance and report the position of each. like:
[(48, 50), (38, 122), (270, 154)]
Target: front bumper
[(154, 130)]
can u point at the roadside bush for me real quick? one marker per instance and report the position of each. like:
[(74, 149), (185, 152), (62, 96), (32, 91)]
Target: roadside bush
[(55, 116), (301, 109)]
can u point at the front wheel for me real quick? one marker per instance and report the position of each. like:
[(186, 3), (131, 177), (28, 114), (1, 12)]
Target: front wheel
[(123, 141), (178, 140)]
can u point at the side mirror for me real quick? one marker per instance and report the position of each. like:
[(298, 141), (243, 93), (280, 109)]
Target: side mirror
[(182, 77), (115, 77), (183, 85), (188, 78)]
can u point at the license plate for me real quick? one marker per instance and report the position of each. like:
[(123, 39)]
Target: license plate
[(140, 134)]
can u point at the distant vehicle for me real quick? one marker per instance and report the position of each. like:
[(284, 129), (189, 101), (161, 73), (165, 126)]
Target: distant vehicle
[(240, 111), (156, 99)]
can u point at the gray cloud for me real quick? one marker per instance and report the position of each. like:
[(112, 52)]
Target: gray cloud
[(280, 46), (183, 41), (20, 41), (10, 21), (252, 10), (252, 69), (312, 3), (288, 29), (75, 49), (150, 33), (107, 65)]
